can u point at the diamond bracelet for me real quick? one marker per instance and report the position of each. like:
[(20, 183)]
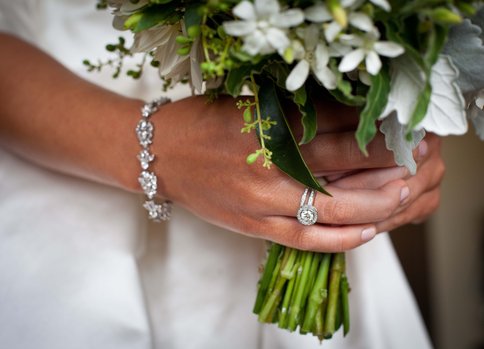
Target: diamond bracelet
[(147, 179)]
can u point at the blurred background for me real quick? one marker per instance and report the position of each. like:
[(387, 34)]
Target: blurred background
[(444, 257)]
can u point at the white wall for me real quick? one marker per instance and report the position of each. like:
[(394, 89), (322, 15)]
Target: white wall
[(456, 245)]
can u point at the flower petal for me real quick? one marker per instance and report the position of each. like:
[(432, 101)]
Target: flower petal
[(348, 3), (373, 63), (239, 28), (351, 40), (364, 77), (298, 76), (322, 55), (265, 8), (311, 36), (245, 10), (286, 19), (383, 4), (325, 76), (338, 50), (317, 13), (388, 48), (277, 39), (361, 21), (332, 31), (351, 60), (254, 43)]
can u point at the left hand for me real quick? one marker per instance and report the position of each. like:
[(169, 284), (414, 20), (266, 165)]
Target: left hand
[(424, 194)]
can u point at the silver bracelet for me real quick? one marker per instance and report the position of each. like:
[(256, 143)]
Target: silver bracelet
[(147, 179)]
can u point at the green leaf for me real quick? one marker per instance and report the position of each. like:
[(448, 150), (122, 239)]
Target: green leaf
[(421, 107), (155, 15), (193, 16), (236, 79), (343, 93), (279, 73), (286, 154), (375, 104), (238, 76), (435, 43), (309, 120)]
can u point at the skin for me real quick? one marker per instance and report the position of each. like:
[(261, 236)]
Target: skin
[(66, 121)]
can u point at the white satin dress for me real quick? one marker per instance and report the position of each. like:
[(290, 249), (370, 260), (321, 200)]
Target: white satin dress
[(82, 268)]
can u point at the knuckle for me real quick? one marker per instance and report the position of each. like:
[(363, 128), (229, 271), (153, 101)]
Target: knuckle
[(302, 240), (335, 211)]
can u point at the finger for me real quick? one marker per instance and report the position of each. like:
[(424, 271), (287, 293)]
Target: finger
[(318, 237), (416, 213), (428, 177), (371, 179), (354, 206), (340, 152)]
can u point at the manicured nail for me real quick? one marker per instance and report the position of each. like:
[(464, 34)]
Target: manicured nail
[(423, 148), (404, 193), (368, 234)]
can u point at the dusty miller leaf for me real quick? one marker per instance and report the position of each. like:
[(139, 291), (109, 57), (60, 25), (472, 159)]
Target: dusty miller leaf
[(475, 112), (446, 111), (407, 82), (466, 49), (395, 140)]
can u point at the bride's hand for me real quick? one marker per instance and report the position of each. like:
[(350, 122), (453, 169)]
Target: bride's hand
[(201, 166)]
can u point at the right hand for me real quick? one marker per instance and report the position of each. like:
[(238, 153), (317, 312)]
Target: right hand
[(201, 166)]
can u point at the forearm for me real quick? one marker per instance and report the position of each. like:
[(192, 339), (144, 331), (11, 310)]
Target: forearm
[(51, 117)]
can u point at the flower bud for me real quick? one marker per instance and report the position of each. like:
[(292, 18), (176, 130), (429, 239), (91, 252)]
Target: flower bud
[(338, 12), (252, 158), (288, 55), (445, 16), (133, 21), (466, 9), (183, 51), (247, 115), (193, 31), (182, 40)]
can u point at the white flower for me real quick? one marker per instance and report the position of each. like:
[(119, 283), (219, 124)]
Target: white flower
[(368, 48), (263, 26), (314, 56), (319, 13), (383, 4)]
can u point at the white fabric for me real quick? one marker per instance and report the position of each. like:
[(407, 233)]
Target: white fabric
[(80, 267)]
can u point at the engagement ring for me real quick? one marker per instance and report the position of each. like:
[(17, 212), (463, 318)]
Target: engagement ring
[(307, 213)]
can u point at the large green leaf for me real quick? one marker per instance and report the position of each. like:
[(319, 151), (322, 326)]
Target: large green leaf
[(193, 15), (343, 93), (236, 79), (286, 154), (375, 104), (309, 120), (420, 108), (155, 15)]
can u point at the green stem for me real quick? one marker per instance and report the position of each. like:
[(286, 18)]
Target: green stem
[(271, 263), (262, 137), (337, 268), (318, 294), (287, 298), (288, 260), (313, 270), (296, 306), (345, 304)]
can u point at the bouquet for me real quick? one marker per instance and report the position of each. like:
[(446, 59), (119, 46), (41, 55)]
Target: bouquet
[(410, 66)]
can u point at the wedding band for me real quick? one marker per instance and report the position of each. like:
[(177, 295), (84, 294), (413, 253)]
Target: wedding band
[(307, 213)]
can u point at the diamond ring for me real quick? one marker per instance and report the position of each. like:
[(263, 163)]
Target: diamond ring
[(307, 213)]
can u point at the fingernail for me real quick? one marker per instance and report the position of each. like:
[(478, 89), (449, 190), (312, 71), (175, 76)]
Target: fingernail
[(404, 193), (423, 148), (368, 234)]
